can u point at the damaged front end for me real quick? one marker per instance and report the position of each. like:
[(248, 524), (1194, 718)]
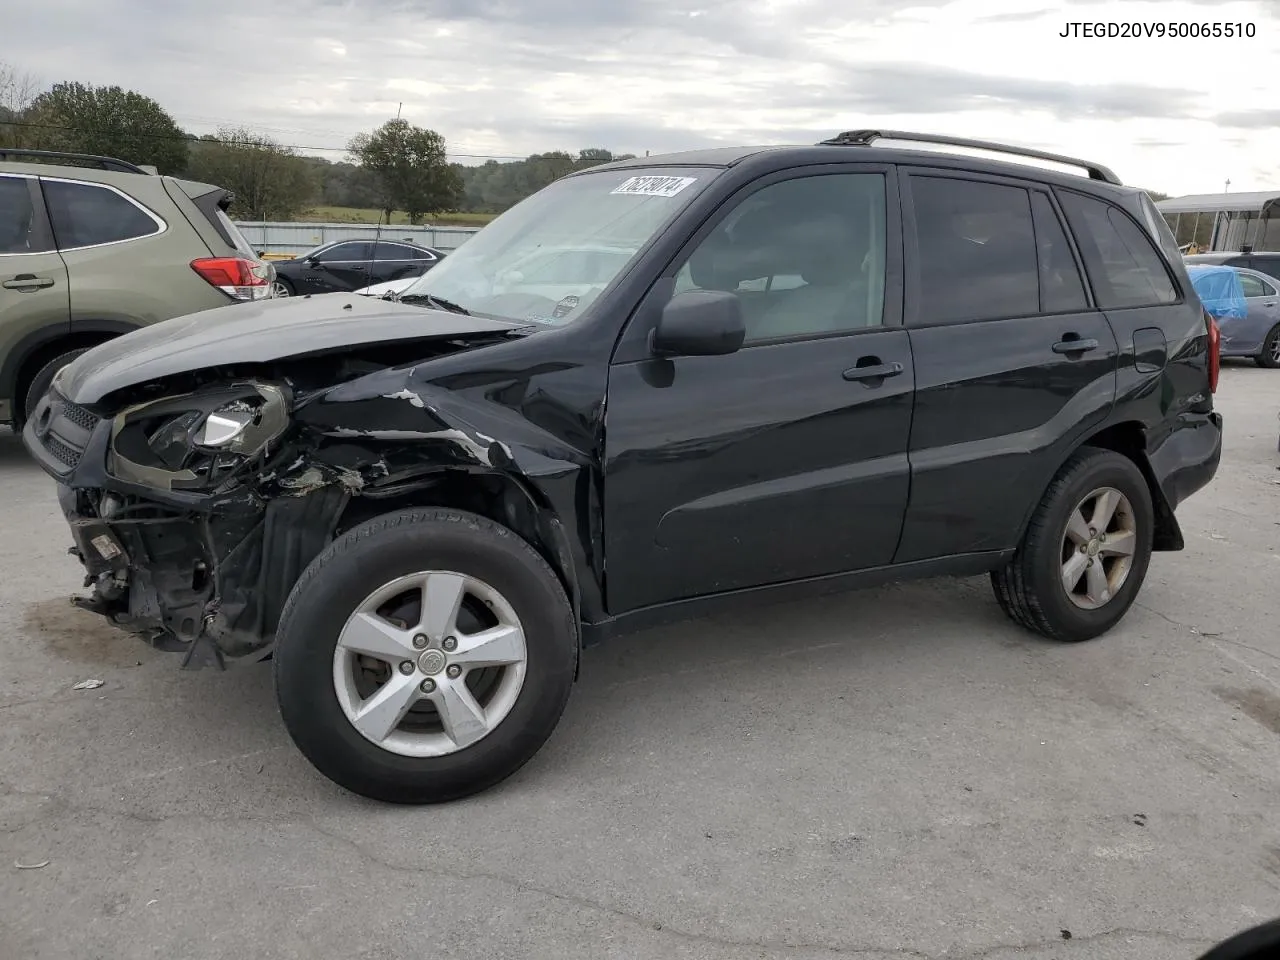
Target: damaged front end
[(195, 503)]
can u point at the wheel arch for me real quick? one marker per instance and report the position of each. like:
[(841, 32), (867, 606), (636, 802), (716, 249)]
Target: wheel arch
[(1129, 439), (500, 497), (41, 346)]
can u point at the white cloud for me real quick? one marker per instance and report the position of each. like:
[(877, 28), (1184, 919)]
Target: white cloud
[(512, 77)]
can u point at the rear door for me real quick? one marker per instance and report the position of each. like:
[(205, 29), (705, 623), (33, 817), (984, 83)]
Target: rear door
[(1248, 336), (787, 459), (395, 261), (34, 293), (1013, 362)]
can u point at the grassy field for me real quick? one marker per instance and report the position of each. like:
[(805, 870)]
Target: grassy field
[(357, 215)]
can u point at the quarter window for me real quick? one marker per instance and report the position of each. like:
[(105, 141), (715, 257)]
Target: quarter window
[(978, 251), (1126, 268), (18, 232), (806, 257), (88, 215)]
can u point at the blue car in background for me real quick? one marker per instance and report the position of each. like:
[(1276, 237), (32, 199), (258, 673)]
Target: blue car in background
[(1246, 305)]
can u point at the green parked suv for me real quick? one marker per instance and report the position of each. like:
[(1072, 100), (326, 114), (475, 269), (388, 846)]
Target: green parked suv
[(92, 247)]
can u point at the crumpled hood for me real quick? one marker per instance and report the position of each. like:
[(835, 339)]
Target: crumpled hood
[(255, 332)]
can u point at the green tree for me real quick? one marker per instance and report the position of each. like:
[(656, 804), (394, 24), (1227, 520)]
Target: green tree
[(412, 168), (270, 181), (109, 121), (17, 90), (493, 187)]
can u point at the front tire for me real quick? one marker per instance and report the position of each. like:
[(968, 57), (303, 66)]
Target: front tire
[(424, 656), (1085, 552), (1269, 355), (282, 288)]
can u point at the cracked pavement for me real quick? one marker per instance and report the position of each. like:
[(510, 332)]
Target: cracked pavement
[(893, 773)]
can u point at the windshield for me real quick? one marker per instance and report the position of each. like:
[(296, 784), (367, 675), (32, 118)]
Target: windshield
[(548, 257)]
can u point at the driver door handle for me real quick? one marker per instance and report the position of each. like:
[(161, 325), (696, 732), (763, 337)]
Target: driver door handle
[(874, 371), (27, 281)]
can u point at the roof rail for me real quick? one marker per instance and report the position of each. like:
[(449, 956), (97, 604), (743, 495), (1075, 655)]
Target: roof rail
[(864, 138), (103, 163)]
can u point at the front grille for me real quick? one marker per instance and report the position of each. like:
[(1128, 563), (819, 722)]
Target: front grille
[(78, 415), (62, 430), (60, 450)]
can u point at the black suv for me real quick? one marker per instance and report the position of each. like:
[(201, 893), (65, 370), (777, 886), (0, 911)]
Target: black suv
[(776, 372)]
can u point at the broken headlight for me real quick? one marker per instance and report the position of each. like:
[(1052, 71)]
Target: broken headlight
[(199, 440)]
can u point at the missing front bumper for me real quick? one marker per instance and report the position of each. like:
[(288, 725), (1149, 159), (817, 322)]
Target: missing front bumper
[(210, 586)]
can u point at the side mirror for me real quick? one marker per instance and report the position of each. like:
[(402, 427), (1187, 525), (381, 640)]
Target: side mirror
[(700, 323), (313, 263)]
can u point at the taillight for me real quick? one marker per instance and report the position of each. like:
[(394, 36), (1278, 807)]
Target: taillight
[(237, 277), (1215, 352)]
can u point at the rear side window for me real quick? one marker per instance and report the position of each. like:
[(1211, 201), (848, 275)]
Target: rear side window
[(398, 251), (1160, 228), (1253, 287), (19, 232), (1061, 288), (978, 256), (1126, 268), (88, 215)]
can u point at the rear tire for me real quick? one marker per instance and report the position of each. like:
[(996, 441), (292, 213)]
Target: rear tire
[(1269, 355), (1059, 546), (39, 385), (419, 757)]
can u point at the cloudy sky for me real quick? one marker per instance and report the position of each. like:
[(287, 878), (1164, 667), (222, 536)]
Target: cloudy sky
[(506, 78)]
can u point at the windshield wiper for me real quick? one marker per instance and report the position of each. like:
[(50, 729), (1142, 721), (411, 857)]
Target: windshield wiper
[(431, 300)]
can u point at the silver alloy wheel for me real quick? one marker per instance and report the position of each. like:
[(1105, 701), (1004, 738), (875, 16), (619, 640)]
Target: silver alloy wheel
[(422, 687), (1098, 547), (278, 289), (1275, 350)]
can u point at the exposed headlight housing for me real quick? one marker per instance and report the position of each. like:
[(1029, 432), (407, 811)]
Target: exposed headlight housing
[(197, 441), (225, 425)]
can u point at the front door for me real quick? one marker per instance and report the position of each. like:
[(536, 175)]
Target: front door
[(1013, 361), (787, 459), (34, 294)]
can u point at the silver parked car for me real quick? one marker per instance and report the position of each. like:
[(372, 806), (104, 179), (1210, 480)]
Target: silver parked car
[(1257, 334)]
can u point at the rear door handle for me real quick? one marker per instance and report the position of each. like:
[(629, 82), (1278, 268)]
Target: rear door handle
[(1075, 345), (27, 281), (875, 371)]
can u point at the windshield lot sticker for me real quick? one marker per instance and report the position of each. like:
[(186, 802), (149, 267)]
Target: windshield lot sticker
[(653, 186)]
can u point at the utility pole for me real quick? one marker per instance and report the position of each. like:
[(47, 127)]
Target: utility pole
[(399, 107), (1226, 187)]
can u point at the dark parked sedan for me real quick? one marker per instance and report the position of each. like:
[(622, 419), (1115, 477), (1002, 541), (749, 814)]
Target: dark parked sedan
[(346, 265)]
